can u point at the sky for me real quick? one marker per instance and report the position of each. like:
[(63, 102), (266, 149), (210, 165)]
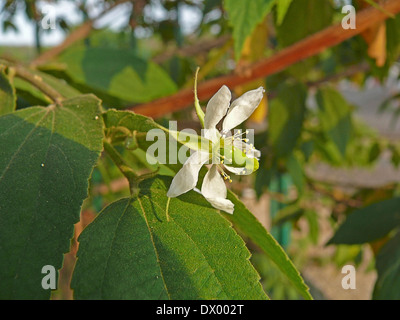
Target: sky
[(66, 9)]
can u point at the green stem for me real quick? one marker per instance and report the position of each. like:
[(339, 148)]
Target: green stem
[(116, 157), (167, 209), (199, 111)]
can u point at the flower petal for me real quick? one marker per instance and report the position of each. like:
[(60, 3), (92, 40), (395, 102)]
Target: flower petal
[(234, 170), (212, 135), (186, 178), (242, 108), (214, 190), (213, 184), (222, 204), (217, 107)]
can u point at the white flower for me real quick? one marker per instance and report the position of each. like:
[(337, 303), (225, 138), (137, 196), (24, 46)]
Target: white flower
[(225, 149)]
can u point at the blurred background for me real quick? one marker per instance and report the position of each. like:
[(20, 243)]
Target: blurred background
[(327, 128)]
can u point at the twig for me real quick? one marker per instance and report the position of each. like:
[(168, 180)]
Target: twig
[(354, 203), (301, 50), (38, 82), (192, 50)]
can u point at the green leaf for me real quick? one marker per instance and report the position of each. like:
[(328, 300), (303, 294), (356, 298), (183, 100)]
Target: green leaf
[(128, 119), (347, 254), (132, 251), (248, 224), (312, 219), (119, 73), (7, 94), (370, 223), (285, 119), (46, 158), (388, 266), (242, 218), (303, 18), (295, 169), (244, 16), (282, 7), (393, 39), (336, 117), (136, 122)]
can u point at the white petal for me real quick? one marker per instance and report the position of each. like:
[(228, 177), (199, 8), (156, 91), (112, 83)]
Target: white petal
[(222, 204), (214, 190), (242, 108), (213, 184), (212, 134), (186, 178), (217, 107), (198, 157), (234, 170), (254, 153)]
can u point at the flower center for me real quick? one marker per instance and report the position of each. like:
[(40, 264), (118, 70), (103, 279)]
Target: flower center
[(234, 151)]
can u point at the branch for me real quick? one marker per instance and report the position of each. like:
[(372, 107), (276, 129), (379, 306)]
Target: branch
[(38, 82), (193, 49), (301, 50), (80, 33)]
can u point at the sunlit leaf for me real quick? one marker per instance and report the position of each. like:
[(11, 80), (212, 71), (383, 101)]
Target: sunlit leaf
[(136, 250), (248, 224)]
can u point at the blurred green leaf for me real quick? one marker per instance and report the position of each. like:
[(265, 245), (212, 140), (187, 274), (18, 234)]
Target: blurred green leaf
[(35, 96), (312, 219), (285, 120), (295, 169), (395, 155), (282, 7), (346, 254), (374, 152), (336, 117), (370, 223), (272, 279), (248, 224), (303, 18), (388, 266), (119, 73), (244, 16)]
